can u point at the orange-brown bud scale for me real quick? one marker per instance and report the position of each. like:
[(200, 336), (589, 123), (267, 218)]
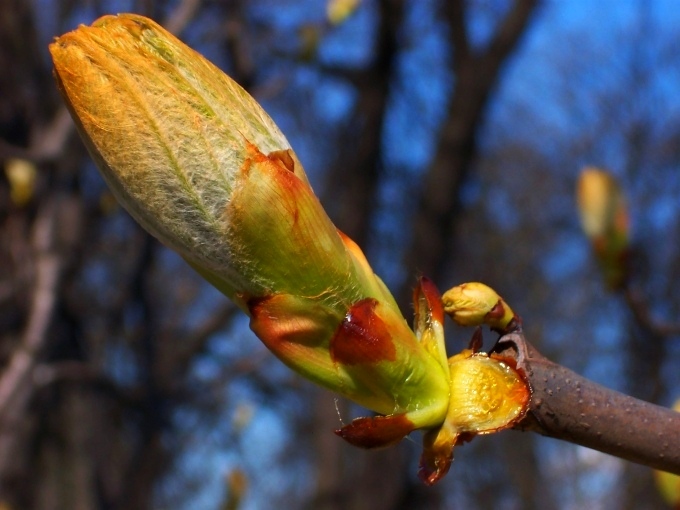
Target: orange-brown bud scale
[(362, 337), (376, 432)]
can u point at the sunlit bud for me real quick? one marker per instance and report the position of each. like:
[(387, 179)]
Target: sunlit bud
[(202, 167), (601, 203), (169, 132), (486, 394), (668, 483), (474, 304), (604, 217)]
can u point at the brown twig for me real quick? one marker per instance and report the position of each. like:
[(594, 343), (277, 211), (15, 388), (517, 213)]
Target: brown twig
[(16, 385), (48, 266), (640, 308), (567, 406)]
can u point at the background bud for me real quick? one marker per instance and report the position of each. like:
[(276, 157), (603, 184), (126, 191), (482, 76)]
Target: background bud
[(21, 175), (604, 218)]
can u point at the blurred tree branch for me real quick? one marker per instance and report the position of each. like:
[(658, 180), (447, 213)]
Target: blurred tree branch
[(640, 308), (17, 385), (354, 180), (476, 74), (47, 142), (181, 15)]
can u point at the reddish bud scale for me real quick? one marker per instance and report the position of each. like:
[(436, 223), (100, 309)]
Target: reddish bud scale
[(428, 302), (362, 337), (376, 432)]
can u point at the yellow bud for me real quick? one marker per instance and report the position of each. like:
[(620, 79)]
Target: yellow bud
[(601, 203), (474, 304), (604, 217), (21, 175), (169, 132)]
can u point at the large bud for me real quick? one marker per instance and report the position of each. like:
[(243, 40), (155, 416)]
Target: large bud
[(200, 165)]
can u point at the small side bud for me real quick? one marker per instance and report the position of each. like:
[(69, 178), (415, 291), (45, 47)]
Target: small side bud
[(474, 304)]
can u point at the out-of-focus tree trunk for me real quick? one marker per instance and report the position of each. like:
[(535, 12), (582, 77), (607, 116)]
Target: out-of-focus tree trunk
[(378, 479), (354, 180), (476, 75)]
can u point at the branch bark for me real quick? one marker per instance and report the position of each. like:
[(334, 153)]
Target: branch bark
[(567, 406)]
